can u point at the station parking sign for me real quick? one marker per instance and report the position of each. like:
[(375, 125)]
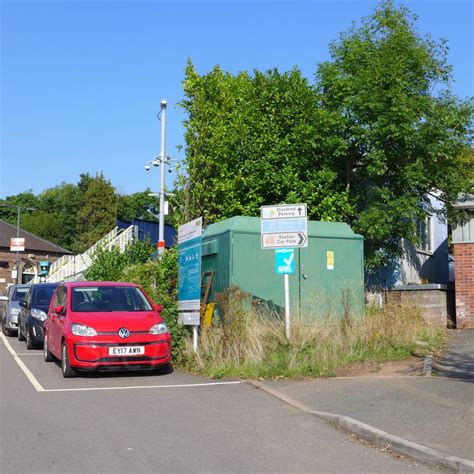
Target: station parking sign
[(284, 226), (17, 244)]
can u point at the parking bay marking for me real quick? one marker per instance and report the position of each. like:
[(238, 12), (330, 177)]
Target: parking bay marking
[(183, 385), (23, 354), (39, 388)]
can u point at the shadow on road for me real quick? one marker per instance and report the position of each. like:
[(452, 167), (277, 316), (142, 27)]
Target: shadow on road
[(128, 372), (457, 360)]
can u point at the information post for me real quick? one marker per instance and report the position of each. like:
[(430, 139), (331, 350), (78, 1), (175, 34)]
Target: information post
[(189, 275)]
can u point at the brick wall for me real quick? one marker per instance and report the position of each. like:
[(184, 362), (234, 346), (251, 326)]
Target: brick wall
[(464, 282), (7, 264), (436, 305)]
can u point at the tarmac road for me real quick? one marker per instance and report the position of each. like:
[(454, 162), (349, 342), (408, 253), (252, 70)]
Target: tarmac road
[(172, 423)]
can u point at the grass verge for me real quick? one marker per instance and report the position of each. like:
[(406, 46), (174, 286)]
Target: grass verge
[(250, 344)]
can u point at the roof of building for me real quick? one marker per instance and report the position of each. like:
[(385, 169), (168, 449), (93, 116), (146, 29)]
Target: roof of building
[(32, 242)]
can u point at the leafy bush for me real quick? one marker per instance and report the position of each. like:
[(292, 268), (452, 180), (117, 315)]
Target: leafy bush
[(108, 264), (158, 278)]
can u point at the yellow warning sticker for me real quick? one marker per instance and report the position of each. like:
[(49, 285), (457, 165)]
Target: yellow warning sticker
[(330, 260)]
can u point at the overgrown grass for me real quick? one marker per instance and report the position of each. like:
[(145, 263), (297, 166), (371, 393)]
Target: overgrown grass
[(250, 344)]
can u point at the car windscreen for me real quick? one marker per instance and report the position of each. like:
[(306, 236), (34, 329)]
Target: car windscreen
[(109, 298), (42, 295), (19, 294)]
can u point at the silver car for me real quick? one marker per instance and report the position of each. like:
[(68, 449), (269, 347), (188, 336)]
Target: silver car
[(10, 307)]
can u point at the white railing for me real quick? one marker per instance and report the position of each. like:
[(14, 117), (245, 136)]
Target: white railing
[(60, 262), (72, 267)]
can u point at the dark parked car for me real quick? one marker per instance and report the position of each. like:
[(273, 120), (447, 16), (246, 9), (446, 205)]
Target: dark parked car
[(10, 308), (33, 312)]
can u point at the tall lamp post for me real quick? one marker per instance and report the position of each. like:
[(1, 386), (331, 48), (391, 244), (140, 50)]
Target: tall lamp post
[(162, 160), (17, 258), (161, 231)]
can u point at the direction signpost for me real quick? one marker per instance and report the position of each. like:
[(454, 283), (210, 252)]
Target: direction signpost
[(283, 228)]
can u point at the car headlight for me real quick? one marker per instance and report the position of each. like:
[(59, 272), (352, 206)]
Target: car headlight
[(38, 314), (14, 311), (80, 330), (160, 328)]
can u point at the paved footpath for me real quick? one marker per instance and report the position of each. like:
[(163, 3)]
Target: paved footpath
[(436, 412), (432, 412), (457, 360)]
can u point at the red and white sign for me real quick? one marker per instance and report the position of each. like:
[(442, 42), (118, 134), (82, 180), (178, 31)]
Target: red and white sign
[(17, 244)]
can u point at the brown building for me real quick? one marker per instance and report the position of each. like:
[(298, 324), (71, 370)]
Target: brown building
[(463, 243), (36, 250)]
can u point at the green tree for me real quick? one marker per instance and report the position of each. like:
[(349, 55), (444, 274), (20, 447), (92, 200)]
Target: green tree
[(387, 90), (59, 207), (98, 214), (137, 206), (250, 141), (367, 143), (9, 209)]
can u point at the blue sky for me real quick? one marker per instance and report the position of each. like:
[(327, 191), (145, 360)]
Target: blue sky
[(82, 81)]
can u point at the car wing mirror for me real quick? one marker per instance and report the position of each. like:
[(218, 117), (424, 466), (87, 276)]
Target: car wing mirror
[(59, 309), (23, 304), (158, 307)]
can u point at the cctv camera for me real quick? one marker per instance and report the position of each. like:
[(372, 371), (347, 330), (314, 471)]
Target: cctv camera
[(169, 170), (147, 167), (163, 104), (156, 162)]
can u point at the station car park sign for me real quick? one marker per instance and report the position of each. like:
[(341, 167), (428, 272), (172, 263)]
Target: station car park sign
[(284, 226)]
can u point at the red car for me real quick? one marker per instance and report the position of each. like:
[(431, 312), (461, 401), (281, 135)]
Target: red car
[(105, 325)]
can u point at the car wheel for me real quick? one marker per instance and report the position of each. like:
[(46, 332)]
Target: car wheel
[(48, 357), (6, 331), (20, 335), (67, 370), (29, 342)]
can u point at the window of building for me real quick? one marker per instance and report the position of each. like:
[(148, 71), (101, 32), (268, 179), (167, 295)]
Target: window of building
[(424, 231)]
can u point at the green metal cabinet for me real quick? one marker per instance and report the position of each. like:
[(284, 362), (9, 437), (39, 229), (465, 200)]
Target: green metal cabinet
[(232, 250)]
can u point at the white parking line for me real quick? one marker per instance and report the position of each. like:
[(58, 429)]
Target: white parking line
[(38, 387), (184, 385)]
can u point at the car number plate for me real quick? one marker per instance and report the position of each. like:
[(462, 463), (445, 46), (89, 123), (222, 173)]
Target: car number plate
[(126, 351)]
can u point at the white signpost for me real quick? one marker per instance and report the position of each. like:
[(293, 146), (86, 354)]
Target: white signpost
[(284, 227)]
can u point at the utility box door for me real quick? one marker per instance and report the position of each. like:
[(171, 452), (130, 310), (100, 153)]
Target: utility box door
[(332, 277), (254, 270)]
